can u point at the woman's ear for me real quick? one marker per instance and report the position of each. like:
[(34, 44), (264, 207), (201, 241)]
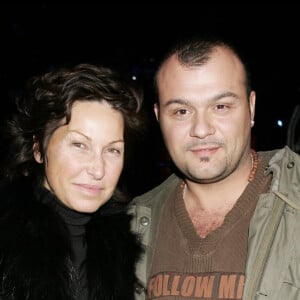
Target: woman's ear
[(156, 111), (37, 152)]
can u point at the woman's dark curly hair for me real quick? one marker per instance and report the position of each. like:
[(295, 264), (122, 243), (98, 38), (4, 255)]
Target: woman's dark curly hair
[(47, 104)]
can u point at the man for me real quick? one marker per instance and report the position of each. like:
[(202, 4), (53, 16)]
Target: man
[(225, 224)]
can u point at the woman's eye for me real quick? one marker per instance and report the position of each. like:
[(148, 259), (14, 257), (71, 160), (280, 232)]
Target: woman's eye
[(114, 151), (79, 145)]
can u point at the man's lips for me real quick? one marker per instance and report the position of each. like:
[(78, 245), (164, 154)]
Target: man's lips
[(205, 150)]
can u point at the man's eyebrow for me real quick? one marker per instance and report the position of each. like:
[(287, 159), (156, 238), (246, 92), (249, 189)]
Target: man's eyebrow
[(214, 98), (176, 101)]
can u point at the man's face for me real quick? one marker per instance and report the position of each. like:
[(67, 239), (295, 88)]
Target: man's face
[(205, 115)]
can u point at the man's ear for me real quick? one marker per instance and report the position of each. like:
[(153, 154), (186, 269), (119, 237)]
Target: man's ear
[(37, 153), (156, 111), (252, 100)]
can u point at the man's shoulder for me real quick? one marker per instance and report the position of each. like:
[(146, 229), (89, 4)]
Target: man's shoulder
[(166, 186), (278, 155)]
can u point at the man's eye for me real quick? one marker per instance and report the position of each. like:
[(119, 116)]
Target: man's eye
[(181, 112), (221, 106)]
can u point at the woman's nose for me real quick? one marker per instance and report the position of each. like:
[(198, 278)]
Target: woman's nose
[(96, 167)]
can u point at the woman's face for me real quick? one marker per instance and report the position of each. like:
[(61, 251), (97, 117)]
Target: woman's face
[(84, 159)]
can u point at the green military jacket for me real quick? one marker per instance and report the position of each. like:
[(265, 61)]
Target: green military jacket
[(273, 262)]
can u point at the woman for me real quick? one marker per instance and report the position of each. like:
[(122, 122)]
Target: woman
[(64, 232)]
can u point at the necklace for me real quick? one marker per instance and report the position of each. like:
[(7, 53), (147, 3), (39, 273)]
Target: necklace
[(254, 162)]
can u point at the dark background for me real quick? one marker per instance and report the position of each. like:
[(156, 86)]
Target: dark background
[(37, 37)]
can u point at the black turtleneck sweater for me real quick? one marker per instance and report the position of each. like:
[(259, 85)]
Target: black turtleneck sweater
[(49, 251), (76, 224)]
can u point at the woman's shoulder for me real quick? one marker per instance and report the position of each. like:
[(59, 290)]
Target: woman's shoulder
[(12, 192)]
